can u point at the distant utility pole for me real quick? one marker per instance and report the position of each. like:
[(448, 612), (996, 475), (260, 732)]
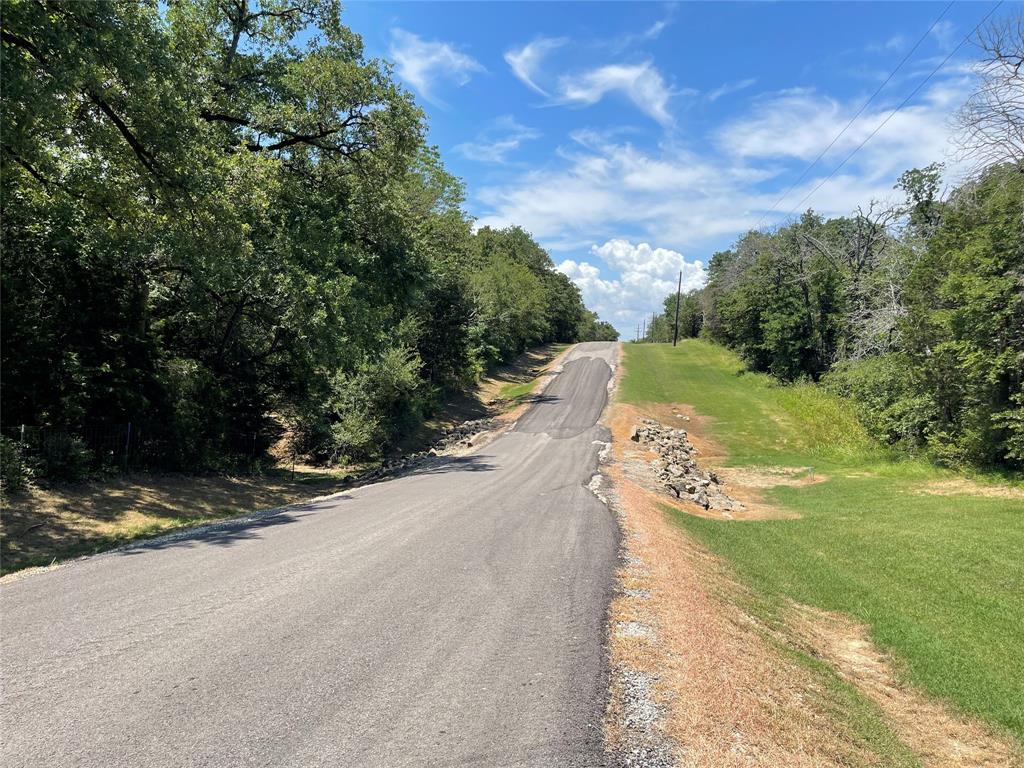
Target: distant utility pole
[(644, 334), (679, 290)]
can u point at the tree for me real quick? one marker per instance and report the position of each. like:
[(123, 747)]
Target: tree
[(991, 123), (219, 215)]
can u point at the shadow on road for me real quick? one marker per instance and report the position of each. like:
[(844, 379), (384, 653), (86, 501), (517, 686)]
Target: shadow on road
[(541, 398), (229, 532), (444, 464)]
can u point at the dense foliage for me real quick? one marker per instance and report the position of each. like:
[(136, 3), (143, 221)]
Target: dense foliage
[(917, 312), (220, 216)]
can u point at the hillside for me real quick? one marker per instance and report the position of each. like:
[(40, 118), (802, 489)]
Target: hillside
[(927, 559)]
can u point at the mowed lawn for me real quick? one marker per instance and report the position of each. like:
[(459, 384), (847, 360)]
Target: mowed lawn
[(938, 579)]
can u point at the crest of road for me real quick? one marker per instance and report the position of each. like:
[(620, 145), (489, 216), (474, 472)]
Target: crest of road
[(453, 616)]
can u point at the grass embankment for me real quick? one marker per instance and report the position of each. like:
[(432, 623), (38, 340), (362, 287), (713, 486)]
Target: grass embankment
[(938, 578)]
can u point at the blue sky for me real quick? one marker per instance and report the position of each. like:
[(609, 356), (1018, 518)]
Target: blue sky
[(636, 139)]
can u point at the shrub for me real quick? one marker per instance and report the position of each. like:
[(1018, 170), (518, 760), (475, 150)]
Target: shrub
[(889, 406), (15, 473), (66, 458)]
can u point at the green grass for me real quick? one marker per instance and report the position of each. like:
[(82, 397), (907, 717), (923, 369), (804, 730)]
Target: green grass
[(938, 579), (517, 391)]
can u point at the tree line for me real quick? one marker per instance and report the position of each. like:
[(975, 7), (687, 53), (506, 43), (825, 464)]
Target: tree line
[(913, 310), (221, 216)]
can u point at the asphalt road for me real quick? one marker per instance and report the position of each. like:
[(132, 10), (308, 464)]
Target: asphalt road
[(450, 617)]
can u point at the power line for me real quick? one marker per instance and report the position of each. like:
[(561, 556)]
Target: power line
[(858, 114), (902, 104)]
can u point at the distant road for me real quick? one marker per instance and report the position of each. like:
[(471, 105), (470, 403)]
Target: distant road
[(450, 617)]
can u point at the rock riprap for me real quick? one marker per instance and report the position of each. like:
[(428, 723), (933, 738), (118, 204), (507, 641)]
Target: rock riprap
[(678, 471), (452, 438)]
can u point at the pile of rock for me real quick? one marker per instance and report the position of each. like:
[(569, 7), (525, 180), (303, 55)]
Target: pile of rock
[(677, 469), (462, 435), (452, 438)]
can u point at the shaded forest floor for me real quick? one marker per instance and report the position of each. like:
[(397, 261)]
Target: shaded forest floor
[(51, 522), (883, 578)]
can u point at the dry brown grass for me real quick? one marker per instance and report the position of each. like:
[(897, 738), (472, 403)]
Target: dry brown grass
[(729, 697), (936, 734), (51, 522), (964, 486)]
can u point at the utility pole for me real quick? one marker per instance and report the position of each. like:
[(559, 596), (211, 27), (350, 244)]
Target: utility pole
[(653, 315), (644, 334), (679, 291)]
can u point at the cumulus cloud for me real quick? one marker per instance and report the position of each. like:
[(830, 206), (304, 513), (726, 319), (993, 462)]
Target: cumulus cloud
[(640, 83), (423, 63), (525, 62), (646, 275), (494, 145)]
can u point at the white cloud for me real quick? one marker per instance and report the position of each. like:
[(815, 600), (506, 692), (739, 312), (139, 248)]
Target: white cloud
[(608, 188), (504, 136), (646, 275), (945, 34), (727, 88), (422, 63), (894, 43), (800, 123), (655, 30), (641, 83), (526, 61), (601, 187)]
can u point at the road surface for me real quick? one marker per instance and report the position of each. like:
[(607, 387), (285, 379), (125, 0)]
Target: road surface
[(450, 617)]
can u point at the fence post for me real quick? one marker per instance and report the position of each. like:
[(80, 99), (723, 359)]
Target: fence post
[(127, 445)]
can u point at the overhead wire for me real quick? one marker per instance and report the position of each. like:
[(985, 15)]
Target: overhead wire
[(859, 112)]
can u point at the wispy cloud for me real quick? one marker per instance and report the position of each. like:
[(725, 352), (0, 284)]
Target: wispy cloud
[(654, 31), (799, 124), (423, 63), (727, 88), (525, 62), (894, 43), (494, 145), (945, 34), (609, 188), (606, 187), (640, 83)]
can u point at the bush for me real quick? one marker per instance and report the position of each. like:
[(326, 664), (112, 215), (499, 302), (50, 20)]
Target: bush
[(888, 404), (15, 473), (66, 458), (368, 410)]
